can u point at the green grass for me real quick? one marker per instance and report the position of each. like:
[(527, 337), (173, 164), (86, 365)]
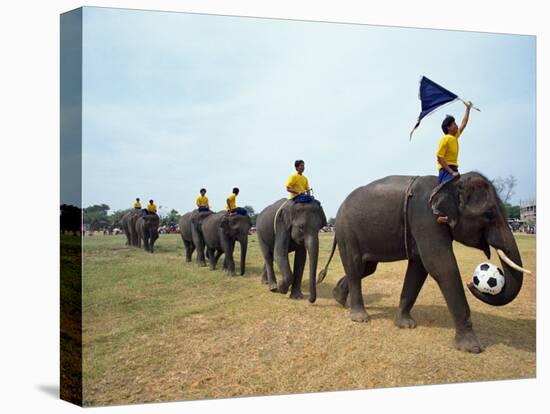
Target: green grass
[(156, 328)]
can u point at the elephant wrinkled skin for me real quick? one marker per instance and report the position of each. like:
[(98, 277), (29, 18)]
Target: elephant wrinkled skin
[(220, 232), (190, 225), (371, 225), (284, 227), (147, 227)]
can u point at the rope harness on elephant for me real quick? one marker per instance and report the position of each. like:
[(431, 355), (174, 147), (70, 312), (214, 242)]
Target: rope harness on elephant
[(276, 214), (408, 194)]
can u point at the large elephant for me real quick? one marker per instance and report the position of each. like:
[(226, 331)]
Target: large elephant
[(128, 223), (284, 227), (220, 232), (147, 228), (191, 233), (392, 219)]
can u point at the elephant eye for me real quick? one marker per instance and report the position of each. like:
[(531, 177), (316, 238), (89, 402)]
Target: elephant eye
[(489, 215)]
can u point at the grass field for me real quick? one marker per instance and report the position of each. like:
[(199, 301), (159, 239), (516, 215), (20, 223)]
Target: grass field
[(156, 328)]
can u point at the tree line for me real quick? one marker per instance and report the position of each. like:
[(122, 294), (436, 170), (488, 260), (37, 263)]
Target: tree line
[(98, 216)]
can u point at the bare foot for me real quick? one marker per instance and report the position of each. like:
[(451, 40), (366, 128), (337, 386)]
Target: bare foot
[(442, 219)]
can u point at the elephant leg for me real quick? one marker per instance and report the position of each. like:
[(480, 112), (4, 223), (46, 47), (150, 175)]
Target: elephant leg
[(228, 248), (414, 280), (299, 264), (189, 247), (444, 269), (268, 265), (341, 291), (356, 270), (211, 254), (217, 254)]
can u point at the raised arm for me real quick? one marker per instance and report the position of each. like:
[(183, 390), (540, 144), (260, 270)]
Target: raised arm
[(466, 117)]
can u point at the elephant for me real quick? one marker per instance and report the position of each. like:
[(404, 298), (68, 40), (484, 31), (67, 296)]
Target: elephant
[(147, 228), (191, 234), (128, 223), (392, 219), (220, 231), (284, 227)]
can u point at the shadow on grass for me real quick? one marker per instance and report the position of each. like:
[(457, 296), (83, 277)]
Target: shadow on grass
[(490, 329)]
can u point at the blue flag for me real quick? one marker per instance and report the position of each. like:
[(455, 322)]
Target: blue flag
[(432, 96)]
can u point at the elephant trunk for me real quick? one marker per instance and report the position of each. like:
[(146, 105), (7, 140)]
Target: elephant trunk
[(244, 245), (503, 240), (312, 247)]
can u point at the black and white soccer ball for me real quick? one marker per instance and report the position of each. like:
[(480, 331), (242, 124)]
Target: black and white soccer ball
[(488, 278)]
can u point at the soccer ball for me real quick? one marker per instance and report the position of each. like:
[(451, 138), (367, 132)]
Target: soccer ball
[(488, 278)]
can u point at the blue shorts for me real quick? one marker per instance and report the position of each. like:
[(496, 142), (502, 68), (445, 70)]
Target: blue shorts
[(239, 210), (445, 176), (305, 199)]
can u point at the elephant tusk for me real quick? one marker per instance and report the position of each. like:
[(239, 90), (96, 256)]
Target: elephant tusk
[(510, 263)]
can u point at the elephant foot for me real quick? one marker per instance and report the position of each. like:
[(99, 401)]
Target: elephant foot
[(468, 342), (404, 321), (283, 288), (296, 295), (359, 316), (340, 296), (273, 287), (202, 264)]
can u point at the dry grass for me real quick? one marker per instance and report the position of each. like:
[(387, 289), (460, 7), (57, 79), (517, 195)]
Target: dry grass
[(156, 328)]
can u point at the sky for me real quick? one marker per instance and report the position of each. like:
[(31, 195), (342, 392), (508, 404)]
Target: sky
[(175, 102)]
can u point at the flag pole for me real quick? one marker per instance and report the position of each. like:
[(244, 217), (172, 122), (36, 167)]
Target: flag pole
[(473, 107)]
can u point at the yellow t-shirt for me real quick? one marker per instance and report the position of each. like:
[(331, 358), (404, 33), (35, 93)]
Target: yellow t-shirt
[(448, 150), (298, 182), (152, 208), (232, 202), (137, 204), (202, 201)]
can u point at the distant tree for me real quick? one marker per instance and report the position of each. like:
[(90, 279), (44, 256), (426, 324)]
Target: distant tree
[(251, 213), (505, 187), (331, 221), (171, 219), (512, 212), (115, 218), (95, 217)]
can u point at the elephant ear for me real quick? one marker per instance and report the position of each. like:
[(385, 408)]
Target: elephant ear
[(284, 218), (224, 224), (445, 202), (474, 196), (323, 218)]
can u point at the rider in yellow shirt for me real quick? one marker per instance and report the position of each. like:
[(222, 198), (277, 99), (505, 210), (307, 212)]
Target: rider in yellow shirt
[(297, 184), (231, 204), (202, 201), (447, 152), (151, 207), (137, 204)]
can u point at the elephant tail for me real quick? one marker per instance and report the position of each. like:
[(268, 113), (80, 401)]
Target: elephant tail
[(323, 273)]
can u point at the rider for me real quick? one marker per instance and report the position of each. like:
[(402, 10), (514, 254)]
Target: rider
[(231, 204), (151, 207), (447, 152), (202, 201), (298, 185)]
